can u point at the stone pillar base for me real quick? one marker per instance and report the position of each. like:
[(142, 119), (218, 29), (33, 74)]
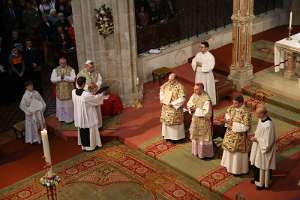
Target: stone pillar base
[(241, 76)]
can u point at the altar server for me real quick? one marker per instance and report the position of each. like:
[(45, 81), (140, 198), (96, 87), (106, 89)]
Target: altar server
[(172, 98), (201, 127), (263, 151), (33, 105), (203, 65), (86, 106)]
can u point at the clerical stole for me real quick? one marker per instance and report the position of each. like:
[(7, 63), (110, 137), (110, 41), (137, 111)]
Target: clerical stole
[(169, 115), (237, 141), (201, 127), (64, 88)]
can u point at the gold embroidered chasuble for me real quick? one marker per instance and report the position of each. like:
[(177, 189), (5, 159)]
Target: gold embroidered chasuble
[(237, 141), (201, 127), (90, 77), (171, 116), (64, 88)]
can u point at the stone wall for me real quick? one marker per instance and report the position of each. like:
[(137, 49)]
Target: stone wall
[(115, 56), (178, 53)]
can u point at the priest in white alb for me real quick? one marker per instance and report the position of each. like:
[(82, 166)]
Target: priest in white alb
[(203, 64), (86, 118), (172, 98), (200, 107), (63, 77), (263, 151), (33, 105), (235, 144)]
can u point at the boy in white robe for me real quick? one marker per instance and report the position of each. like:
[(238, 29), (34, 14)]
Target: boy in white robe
[(86, 116), (33, 105), (263, 151), (203, 65)]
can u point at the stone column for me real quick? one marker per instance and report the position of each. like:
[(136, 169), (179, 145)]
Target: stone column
[(241, 70), (115, 56)]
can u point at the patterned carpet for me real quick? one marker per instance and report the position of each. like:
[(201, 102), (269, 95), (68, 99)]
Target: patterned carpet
[(114, 172)]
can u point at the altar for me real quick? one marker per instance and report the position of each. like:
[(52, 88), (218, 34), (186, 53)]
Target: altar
[(286, 52)]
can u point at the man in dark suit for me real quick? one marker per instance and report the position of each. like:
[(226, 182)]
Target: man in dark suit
[(32, 61)]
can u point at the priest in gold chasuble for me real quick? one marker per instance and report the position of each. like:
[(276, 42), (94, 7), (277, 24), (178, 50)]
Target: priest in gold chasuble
[(200, 107), (235, 144), (172, 98), (63, 77)]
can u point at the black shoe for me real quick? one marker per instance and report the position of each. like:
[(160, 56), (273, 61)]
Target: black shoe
[(252, 181), (259, 188)]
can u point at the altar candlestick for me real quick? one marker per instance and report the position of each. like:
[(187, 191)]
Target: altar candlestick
[(291, 20), (46, 149)]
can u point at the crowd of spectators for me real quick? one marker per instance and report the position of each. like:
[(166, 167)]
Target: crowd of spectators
[(33, 34)]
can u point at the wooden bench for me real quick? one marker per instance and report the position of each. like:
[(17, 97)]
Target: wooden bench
[(160, 73), (19, 129)]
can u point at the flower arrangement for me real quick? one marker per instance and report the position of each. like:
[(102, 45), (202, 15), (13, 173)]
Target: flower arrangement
[(104, 21), (50, 182)]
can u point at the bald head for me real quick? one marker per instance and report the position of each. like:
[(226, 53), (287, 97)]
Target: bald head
[(172, 77), (261, 111), (198, 88)]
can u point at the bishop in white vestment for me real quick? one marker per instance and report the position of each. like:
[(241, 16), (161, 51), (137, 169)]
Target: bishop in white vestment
[(172, 98), (263, 151), (235, 144), (33, 105), (203, 65), (63, 77), (86, 116), (92, 76)]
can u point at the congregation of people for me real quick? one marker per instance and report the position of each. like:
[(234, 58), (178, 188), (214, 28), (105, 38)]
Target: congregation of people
[(33, 35), (237, 143)]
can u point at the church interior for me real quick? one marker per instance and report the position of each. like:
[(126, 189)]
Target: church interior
[(150, 99)]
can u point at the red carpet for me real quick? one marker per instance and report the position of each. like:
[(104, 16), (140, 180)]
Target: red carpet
[(223, 54), (139, 125)]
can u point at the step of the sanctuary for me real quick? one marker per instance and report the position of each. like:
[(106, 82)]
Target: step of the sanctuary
[(272, 97), (278, 110)]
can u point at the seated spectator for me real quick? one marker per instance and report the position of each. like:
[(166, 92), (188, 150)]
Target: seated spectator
[(71, 31), (62, 39), (62, 22), (53, 16), (32, 62), (47, 29), (17, 70), (15, 41), (31, 19), (46, 6)]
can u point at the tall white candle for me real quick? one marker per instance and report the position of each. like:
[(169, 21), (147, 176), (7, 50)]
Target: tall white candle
[(291, 19), (137, 81), (46, 149)]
